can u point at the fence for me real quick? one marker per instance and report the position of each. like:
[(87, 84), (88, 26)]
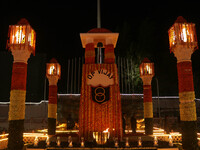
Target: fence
[(126, 70)]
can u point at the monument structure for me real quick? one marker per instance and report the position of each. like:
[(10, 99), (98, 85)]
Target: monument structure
[(100, 101)]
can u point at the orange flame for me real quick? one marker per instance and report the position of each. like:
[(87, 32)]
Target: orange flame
[(106, 131)]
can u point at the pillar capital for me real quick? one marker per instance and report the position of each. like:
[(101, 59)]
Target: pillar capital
[(53, 80), (21, 55), (146, 79), (183, 53)]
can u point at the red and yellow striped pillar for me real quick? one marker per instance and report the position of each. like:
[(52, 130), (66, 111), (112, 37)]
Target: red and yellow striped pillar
[(187, 104), (183, 42), (17, 99), (147, 103), (52, 105)]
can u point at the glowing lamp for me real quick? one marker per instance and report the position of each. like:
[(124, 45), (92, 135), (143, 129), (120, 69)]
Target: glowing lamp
[(182, 34), (146, 68), (21, 36), (53, 68)]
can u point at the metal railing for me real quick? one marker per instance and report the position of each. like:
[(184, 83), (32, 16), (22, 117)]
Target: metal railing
[(126, 72)]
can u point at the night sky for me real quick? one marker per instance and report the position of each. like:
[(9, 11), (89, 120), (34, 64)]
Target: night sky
[(58, 26)]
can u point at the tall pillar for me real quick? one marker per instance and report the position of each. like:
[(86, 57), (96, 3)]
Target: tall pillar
[(21, 42), (17, 99), (53, 73), (146, 74), (148, 105), (183, 42), (187, 104), (52, 105)]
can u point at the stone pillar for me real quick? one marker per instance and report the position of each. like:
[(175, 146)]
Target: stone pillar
[(148, 105), (17, 99)]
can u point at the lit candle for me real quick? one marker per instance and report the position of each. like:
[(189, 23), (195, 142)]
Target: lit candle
[(36, 141), (139, 142), (116, 142), (127, 143), (170, 141), (58, 141), (70, 141), (155, 141), (48, 141), (198, 142), (82, 142)]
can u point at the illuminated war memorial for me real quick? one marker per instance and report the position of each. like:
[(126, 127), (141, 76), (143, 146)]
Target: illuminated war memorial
[(100, 102), (100, 108)]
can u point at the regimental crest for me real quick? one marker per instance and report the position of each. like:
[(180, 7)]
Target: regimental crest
[(100, 82), (100, 94)]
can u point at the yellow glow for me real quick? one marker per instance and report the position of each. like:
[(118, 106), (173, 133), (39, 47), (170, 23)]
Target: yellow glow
[(19, 37), (101, 137), (31, 38), (140, 120), (184, 33), (59, 131), (148, 70), (187, 33), (106, 131), (170, 140), (3, 135), (52, 70), (172, 36), (34, 135), (155, 141), (82, 142), (58, 141), (22, 35), (64, 125), (3, 139), (139, 141), (127, 143)]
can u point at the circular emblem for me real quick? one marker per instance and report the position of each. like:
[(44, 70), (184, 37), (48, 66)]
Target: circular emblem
[(100, 94)]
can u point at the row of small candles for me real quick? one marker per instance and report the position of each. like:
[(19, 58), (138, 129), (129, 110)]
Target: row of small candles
[(116, 142), (140, 142), (58, 141)]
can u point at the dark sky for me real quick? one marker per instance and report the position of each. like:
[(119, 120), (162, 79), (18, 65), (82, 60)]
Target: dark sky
[(58, 25)]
